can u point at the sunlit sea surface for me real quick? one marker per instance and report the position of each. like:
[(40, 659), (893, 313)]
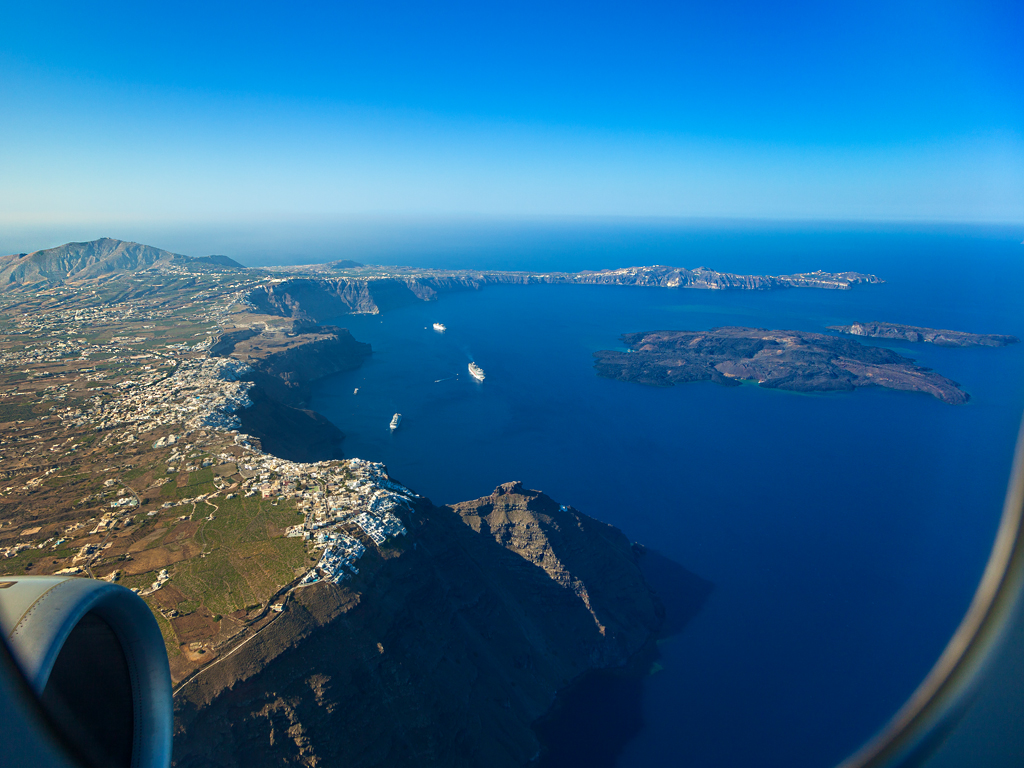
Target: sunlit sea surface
[(844, 533)]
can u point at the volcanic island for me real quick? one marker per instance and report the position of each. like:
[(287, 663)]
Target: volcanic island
[(793, 360)]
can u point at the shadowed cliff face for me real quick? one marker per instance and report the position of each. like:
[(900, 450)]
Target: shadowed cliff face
[(444, 651), (285, 362), (319, 299), (591, 561), (295, 434)]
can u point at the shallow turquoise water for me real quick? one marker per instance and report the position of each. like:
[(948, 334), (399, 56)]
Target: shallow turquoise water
[(844, 533)]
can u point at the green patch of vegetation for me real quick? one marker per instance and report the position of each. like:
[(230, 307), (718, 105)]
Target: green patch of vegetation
[(170, 639), (247, 560), (171, 491), (200, 476), (65, 481), (133, 474), (16, 566), (188, 606), (17, 411), (138, 580), (159, 540), (196, 490)]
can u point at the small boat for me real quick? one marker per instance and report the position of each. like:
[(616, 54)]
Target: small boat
[(476, 372), (395, 421), (355, 391), (440, 327)]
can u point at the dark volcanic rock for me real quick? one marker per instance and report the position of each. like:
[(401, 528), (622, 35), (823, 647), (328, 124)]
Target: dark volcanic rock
[(793, 360), (444, 651), (227, 342), (928, 335)]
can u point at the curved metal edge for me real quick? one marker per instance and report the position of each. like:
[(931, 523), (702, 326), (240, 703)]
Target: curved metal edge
[(40, 633), (143, 644), (931, 710)]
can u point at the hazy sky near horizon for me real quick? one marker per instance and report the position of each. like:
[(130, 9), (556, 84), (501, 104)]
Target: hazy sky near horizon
[(210, 112)]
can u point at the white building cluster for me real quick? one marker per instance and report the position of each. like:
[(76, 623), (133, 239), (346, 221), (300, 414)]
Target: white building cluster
[(335, 498), (198, 393)]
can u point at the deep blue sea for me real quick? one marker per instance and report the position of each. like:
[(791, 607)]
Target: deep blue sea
[(844, 533)]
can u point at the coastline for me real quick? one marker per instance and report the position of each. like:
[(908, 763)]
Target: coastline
[(281, 373), (283, 363)]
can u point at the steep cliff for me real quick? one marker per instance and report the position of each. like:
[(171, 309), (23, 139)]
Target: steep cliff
[(321, 298), (445, 650), (942, 338), (295, 434), (285, 362)]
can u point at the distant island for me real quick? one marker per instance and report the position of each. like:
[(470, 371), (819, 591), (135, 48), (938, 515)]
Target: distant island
[(119, 270), (793, 360), (942, 338), (320, 292)]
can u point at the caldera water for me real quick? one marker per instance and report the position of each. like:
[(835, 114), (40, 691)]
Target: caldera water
[(844, 533)]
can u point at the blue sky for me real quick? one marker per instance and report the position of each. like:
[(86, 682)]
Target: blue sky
[(196, 113)]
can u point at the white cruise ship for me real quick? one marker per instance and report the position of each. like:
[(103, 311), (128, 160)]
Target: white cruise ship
[(476, 372), (440, 327), (395, 421)]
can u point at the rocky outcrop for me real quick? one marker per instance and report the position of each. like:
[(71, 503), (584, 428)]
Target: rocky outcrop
[(591, 561), (942, 338), (793, 360), (282, 365), (444, 651), (285, 362), (319, 299)]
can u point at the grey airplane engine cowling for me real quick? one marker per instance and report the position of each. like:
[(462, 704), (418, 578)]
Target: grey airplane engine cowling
[(94, 656)]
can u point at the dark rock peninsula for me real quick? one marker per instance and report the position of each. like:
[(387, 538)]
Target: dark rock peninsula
[(444, 651), (793, 360), (941, 338)]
